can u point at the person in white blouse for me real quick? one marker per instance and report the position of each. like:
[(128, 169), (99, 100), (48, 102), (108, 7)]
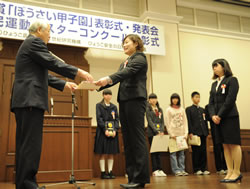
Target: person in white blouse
[(177, 126)]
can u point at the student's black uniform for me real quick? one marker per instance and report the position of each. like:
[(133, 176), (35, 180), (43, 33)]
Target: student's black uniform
[(197, 125), (220, 162), (222, 102), (154, 118), (105, 114)]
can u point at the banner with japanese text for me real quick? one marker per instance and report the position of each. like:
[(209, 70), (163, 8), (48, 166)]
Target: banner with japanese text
[(81, 30)]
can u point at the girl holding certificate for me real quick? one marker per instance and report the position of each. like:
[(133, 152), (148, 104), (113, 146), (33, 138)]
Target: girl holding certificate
[(155, 127), (177, 126), (106, 139)]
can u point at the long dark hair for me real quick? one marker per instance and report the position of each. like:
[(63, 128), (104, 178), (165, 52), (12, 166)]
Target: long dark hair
[(105, 92), (175, 95), (225, 65), (153, 95)]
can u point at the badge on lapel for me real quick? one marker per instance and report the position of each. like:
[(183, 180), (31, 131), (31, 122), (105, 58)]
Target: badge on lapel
[(223, 86)]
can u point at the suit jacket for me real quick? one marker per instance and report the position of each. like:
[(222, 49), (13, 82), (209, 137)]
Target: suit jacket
[(33, 60), (223, 103), (132, 78), (197, 123), (153, 120), (104, 113)]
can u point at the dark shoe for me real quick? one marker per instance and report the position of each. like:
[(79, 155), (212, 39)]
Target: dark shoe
[(239, 178), (111, 176), (133, 185), (223, 180), (104, 175)]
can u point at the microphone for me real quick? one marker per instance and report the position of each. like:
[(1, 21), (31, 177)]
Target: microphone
[(74, 101), (52, 105)]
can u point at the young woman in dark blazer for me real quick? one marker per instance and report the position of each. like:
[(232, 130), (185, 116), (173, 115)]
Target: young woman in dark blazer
[(132, 98), (155, 127), (223, 112)]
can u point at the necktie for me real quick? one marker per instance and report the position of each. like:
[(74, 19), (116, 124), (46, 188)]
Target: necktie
[(125, 64)]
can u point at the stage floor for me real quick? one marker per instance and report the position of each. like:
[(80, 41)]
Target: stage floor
[(169, 182)]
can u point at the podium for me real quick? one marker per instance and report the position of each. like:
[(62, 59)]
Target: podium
[(55, 164)]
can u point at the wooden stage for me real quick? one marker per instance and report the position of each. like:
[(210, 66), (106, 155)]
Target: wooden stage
[(169, 182)]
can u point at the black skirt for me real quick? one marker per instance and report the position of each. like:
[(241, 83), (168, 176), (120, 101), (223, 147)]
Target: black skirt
[(228, 131), (104, 144)]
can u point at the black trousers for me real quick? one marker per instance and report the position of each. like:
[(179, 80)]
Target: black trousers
[(155, 157), (135, 147), (220, 162), (199, 155), (29, 126)]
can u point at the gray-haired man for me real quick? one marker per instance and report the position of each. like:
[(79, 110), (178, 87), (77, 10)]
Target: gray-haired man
[(30, 98)]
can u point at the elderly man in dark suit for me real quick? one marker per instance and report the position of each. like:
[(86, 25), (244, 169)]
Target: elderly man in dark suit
[(132, 95), (30, 98)]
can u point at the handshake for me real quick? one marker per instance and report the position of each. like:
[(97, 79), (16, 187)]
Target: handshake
[(88, 77)]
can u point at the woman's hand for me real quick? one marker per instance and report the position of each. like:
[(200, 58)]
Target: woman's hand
[(103, 81), (107, 133), (161, 133), (173, 137), (216, 119)]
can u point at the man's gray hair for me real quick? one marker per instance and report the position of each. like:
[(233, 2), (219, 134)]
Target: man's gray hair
[(38, 24)]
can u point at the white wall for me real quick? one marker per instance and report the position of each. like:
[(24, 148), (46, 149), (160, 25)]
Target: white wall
[(102, 63), (166, 75), (197, 55)]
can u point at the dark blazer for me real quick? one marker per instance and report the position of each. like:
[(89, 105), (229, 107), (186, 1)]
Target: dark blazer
[(33, 60), (153, 120), (221, 104), (104, 113), (197, 125), (132, 78)]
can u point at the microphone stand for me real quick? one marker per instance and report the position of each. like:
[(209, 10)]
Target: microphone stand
[(72, 176)]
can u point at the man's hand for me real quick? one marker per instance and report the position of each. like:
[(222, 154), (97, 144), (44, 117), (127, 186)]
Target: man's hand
[(71, 86), (103, 81), (83, 74)]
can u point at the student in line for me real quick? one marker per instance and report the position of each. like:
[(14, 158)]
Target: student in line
[(177, 126), (155, 127), (197, 125), (106, 139), (224, 113)]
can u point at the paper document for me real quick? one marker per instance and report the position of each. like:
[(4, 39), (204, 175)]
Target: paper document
[(177, 144), (196, 140), (159, 144), (87, 85)]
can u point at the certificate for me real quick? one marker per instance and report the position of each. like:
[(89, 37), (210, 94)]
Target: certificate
[(177, 144), (196, 140), (87, 86), (159, 144)]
